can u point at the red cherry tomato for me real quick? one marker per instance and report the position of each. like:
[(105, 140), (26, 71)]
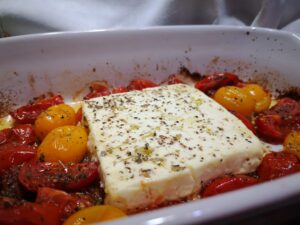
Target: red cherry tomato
[(244, 119), (22, 134), (97, 89), (29, 213), (119, 90), (67, 203), (228, 183), (141, 84), (9, 185), (69, 176), (216, 81), (12, 154), (275, 124), (5, 135), (29, 113), (278, 164)]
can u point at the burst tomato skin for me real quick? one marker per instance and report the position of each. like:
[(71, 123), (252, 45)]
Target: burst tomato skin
[(29, 213), (119, 90), (275, 124), (69, 177), (140, 84), (29, 113), (67, 203), (12, 154), (97, 89), (228, 183), (21, 133), (277, 164), (216, 81)]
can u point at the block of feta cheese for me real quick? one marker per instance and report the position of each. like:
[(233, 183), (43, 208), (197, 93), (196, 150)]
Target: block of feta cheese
[(161, 144)]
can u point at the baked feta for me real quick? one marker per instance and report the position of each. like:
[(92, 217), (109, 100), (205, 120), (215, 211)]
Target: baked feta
[(161, 144)]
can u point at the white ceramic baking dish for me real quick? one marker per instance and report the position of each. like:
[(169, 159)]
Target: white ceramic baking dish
[(66, 62)]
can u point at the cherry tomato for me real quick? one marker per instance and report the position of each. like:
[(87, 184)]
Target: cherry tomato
[(22, 134), (6, 202), (29, 113), (235, 99), (53, 117), (292, 143), (245, 120), (5, 135), (173, 79), (97, 89), (119, 90), (228, 183), (95, 214), (261, 97), (216, 81), (30, 213), (10, 185), (70, 177), (277, 164), (268, 127), (66, 144), (12, 154), (67, 203), (275, 124), (141, 84)]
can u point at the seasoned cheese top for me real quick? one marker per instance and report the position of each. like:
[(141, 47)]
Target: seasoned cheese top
[(161, 144)]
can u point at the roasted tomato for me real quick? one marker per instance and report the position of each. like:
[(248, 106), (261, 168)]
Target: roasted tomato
[(53, 117), (67, 203), (261, 97), (69, 176), (12, 154), (119, 90), (235, 99), (94, 214), (10, 185), (292, 143), (22, 134), (29, 113), (275, 124), (97, 89), (245, 120), (228, 183), (29, 213), (278, 164), (213, 82), (141, 84), (66, 144)]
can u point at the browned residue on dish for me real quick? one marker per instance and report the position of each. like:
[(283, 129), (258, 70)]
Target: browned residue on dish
[(6, 103), (31, 82)]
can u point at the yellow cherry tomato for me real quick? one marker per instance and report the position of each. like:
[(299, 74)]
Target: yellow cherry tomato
[(66, 144), (292, 143), (55, 116), (261, 97), (94, 214), (236, 99)]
